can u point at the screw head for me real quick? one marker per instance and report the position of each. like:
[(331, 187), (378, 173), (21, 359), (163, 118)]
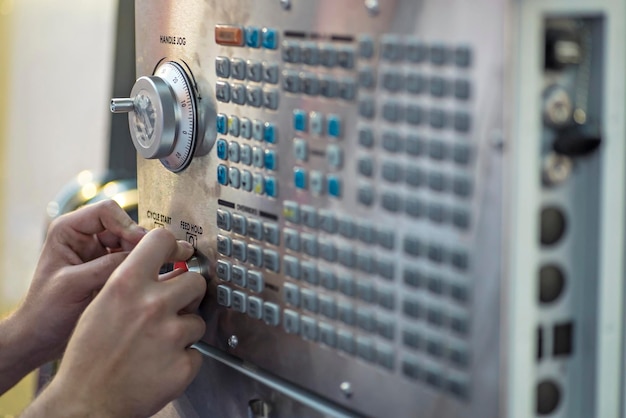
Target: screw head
[(346, 389), (233, 341)]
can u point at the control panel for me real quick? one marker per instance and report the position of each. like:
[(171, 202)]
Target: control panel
[(342, 170)]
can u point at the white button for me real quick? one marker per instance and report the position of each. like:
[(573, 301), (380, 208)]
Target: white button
[(233, 177), (316, 180), (233, 152), (246, 154), (316, 122), (246, 180), (300, 149), (334, 156), (258, 183), (258, 157)]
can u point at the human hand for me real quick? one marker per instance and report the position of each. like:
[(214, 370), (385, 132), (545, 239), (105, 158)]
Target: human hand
[(129, 354)]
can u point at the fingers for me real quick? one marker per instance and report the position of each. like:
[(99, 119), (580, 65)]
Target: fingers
[(93, 274), (187, 329), (185, 291)]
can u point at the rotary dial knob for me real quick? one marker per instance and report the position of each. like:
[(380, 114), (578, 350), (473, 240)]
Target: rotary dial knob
[(162, 116)]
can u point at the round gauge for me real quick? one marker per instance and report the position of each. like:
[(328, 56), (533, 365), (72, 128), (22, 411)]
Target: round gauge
[(162, 116)]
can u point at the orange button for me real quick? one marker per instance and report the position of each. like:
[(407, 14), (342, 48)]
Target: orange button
[(229, 35)]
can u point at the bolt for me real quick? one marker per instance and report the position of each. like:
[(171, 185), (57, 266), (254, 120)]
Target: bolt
[(285, 4), (372, 6), (346, 389), (233, 341)]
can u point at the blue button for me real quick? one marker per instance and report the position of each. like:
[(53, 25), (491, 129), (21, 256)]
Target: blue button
[(270, 160), (222, 149), (222, 174), (334, 186), (270, 133), (299, 178), (270, 38), (222, 123), (334, 126), (271, 186), (253, 37), (299, 120)]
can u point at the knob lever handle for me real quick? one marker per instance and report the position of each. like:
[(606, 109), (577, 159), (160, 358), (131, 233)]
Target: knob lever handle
[(122, 105)]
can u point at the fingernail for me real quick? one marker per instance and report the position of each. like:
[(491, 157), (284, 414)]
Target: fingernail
[(186, 245)]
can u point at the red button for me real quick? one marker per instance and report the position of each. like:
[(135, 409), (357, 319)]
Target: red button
[(180, 265)]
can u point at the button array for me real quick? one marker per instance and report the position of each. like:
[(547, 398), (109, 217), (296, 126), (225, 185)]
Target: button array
[(250, 36)]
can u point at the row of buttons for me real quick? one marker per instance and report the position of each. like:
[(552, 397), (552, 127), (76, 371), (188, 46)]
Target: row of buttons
[(415, 114), (254, 306), (246, 154), (251, 70), (334, 153), (251, 227), (324, 85), (250, 95), (345, 225), (417, 280), (240, 276), (454, 383), (250, 36), (315, 122), (434, 315), (256, 129), (248, 181), (317, 181), (311, 53), (251, 253)]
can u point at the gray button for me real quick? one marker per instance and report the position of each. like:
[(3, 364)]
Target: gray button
[(436, 181), (327, 278), (461, 121), (415, 83), (461, 186), (291, 294), (347, 285), (414, 207), (386, 327), (365, 291), (308, 328), (290, 51), (366, 46), (271, 233), (258, 157), (438, 54), (292, 239), (461, 154), (436, 253), (308, 272), (334, 156), (461, 218), (412, 338), (392, 48), (347, 88), (365, 195), (291, 81), (327, 250), (365, 261), (386, 238), (345, 341), (271, 260), (246, 128), (270, 99), (346, 227), (224, 245), (270, 72), (223, 270), (463, 56), (458, 292), (391, 201), (459, 259), (255, 281), (435, 316), (328, 86), (234, 177), (222, 67), (258, 129), (255, 307), (255, 255), (239, 224), (437, 118), (434, 346), (412, 246), (309, 84), (386, 299), (271, 313), (223, 219), (365, 348), (345, 57), (309, 53), (416, 51), (346, 256), (308, 216), (459, 324), (253, 70), (385, 268), (385, 356), (462, 89), (238, 68), (366, 233), (392, 80), (413, 277), (412, 368), (414, 115), (367, 77), (309, 244), (292, 267), (238, 93), (346, 313), (254, 96), (392, 141), (328, 335), (414, 176), (365, 166), (365, 320), (291, 321), (328, 56), (239, 250), (222, 91), (246, 180), (393, 112), (392, 172), (291, 211), (309, 300), (239, 276), (438, 86), (327, 221), (366, 137), (412, 308), (437, 213), (240, 301), (300, 149), (437, 149), (367, 107), (328, 307), (224, 295), (435, 284), (458, 386)]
